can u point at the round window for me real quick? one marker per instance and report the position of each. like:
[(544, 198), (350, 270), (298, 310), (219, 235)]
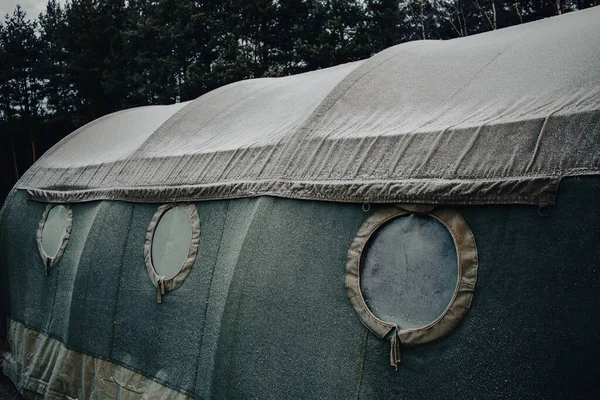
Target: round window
[(171, 246), (53, 233), (409, 271), (411, 276), (171, 242)]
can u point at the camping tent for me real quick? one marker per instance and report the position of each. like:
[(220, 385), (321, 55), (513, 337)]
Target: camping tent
[(434, 207)]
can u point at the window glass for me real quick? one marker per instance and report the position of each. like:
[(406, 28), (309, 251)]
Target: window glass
[(55, 229), (171, 242), (409, 271)]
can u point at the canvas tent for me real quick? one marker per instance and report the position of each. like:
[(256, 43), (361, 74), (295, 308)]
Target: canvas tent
[(434, 207)]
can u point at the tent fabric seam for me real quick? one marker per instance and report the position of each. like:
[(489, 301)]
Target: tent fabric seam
[(432, 176)]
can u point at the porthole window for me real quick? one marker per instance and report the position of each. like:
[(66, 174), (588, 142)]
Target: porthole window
[(171, 246), (53, 233), (410, 276)]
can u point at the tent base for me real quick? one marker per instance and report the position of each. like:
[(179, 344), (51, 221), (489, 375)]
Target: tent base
[(43, 368)]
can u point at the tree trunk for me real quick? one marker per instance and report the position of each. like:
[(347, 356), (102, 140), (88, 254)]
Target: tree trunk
[(422, 12), (32, 141), (27, 118), (490, 23), (495, 24), (462, 14), (14, 156), (264, 57), (460, 28), (518, 11), (558, 8)]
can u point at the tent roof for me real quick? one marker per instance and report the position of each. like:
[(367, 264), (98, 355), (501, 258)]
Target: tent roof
[(498, 117)]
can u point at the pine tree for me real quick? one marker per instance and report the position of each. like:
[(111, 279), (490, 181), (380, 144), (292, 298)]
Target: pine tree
[(20, 81)]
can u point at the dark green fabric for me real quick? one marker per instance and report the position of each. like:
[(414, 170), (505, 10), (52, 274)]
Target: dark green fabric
[(30, 291), (264, 312), (163, 340), (288, 323), (532, 331), (90, 283)]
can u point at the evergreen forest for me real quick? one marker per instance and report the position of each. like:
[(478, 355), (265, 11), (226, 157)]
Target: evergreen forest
[(81, 59)]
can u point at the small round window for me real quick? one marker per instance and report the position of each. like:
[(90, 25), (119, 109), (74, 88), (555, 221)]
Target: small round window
[(171, 246), (53, 233), (411, 276)]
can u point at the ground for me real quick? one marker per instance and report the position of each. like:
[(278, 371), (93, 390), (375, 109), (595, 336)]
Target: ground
[(7, 389)]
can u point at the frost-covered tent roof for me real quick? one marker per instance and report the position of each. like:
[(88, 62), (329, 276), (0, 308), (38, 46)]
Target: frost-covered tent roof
[(499, 117)]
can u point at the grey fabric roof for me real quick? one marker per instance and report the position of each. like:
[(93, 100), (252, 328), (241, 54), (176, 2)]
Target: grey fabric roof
[(498, 117)]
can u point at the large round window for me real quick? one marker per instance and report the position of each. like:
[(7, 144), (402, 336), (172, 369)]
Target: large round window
[(53, 233), (411, 276), (409, 271), (171, 246)]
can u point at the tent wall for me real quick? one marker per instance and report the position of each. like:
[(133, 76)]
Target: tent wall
[(264, 312)]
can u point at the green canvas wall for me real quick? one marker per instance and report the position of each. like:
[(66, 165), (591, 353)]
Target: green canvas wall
[(264, 312)]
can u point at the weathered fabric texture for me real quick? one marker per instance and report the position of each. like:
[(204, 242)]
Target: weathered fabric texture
[(264, 314), (43, 368), (499, 117)]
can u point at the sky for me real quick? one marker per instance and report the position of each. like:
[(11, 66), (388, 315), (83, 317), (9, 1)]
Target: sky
[(31, 7)]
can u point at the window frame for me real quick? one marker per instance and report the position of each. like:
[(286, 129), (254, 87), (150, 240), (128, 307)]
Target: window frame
[(162, 283), (46, 259), (467, 260)]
